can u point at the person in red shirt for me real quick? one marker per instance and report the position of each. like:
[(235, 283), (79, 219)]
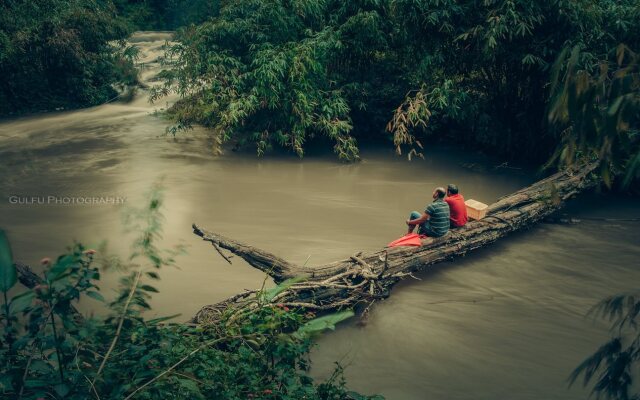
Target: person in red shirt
[(457, 208)]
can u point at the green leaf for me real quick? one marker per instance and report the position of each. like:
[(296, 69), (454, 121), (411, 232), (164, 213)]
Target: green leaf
[(41, 366), (162, 319), (62, 389), (34, 383), (191, 386), (96, 295), (21, 302), (21, 342), (253, 344), (5, 383), (613, 109), (60, 268), (8, 275), (270, 294), (153, 275), (148, 288), (322, 323)]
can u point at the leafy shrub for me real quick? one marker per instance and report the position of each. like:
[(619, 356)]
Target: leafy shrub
[(49, 350), (60, 54)]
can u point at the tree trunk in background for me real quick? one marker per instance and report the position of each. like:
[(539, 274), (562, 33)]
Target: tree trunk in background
[(364, 278)]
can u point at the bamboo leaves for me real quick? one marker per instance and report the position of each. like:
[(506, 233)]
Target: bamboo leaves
[(282, 93), (597, 110), (280, 74), (611, 368)]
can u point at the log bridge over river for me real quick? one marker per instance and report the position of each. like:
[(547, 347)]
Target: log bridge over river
[(364, 278)]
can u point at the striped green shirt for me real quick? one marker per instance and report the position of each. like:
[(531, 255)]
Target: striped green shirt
[(438, 222)]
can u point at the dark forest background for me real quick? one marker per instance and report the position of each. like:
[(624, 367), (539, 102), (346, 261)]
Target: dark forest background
[(550, 82)]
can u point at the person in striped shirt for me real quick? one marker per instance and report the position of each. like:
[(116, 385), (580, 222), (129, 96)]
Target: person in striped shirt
[(434, 222)]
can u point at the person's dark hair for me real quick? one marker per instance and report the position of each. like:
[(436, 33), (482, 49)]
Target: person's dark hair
[(440, 192), (453, 189)]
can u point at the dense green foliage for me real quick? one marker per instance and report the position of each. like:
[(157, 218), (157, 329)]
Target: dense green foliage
[(282, 72), (56, 54), (66, 54), (165, 14), (612, 368), (49, 350), (596, 110)]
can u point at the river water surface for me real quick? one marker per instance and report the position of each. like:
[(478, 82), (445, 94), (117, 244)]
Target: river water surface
[(506, 322)]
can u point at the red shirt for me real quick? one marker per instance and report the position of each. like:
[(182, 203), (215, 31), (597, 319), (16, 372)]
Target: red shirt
[(457, 210)]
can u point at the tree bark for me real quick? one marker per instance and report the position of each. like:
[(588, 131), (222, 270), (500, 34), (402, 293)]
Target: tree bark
[(26, 276), (363, 278)]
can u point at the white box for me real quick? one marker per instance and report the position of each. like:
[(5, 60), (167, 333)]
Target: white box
[(476, 209)]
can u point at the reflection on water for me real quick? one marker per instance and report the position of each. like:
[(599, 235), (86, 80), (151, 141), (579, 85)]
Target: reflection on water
[(505, 322)]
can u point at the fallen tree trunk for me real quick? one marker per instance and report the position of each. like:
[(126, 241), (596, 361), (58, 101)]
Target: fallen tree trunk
[(363, 278)]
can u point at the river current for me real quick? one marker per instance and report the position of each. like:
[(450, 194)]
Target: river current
[(506, 322)]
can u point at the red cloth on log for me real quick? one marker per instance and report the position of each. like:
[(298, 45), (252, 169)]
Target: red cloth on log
[(410, 239)]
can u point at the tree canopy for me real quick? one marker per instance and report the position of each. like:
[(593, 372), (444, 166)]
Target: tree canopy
[(283, 72), (56, 54), (68, 54)]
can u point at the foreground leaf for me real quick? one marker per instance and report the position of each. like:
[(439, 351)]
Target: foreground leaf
[(21, 302), (273, 292), (326, 322), (8, 276)]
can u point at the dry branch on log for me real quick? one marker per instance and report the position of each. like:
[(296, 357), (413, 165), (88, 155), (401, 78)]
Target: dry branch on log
[(363, 278)]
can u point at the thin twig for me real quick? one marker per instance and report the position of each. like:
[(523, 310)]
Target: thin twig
[(55, 339), (227, 259), (24, 376), (193, 378), (93, 388), (120, 323), (386, 264)]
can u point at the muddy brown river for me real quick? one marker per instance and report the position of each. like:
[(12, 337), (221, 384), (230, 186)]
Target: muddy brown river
[(506, 322)]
